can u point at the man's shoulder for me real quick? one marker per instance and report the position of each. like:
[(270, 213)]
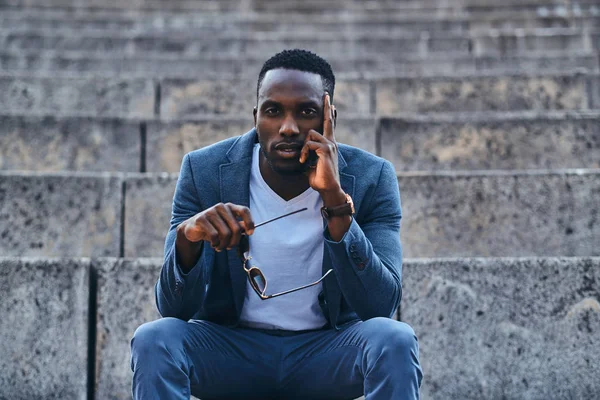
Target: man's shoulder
[(214, 154)]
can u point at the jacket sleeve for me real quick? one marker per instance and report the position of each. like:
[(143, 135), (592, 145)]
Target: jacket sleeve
[(367, 261), (177, 294)]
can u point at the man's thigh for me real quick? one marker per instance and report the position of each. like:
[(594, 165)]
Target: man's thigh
[(333, 364), (222, 363)]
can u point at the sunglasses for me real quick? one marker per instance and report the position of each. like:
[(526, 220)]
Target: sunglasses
[(255, 276)]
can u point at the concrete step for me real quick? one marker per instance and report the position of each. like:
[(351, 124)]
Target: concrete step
[(484, 141), (45, 308), (308, 7), (185, 98), (470, 141), (358, 44), (446, 214), (498, 328), (167, 141), (388, 96), (60, 214), (383, 23), (69, 143), (78, 96), (546, 15), (50, 143), (476, 320), (415, 142), (71, 63)]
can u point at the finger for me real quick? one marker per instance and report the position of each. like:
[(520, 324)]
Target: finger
[(234, 226), (327, 118), (313, 136), (223, 231), (243, 213), (320, 148), (210, 233)]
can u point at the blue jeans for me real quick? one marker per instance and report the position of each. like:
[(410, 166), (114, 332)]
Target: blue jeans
[(172, 359)]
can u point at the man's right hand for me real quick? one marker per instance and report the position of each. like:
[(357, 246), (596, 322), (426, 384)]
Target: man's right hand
[(220, 225)]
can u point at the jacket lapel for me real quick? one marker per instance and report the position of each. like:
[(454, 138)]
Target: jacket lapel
[(235, 188)]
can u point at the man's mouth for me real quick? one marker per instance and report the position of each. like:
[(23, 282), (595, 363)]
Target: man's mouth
[(288, 150)]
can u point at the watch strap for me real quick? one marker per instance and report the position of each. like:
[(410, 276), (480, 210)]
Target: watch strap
[(343, 209)]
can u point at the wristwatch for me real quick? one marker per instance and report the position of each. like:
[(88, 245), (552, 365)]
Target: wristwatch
[(344, 209)]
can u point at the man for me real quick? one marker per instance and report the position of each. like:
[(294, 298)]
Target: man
[(224, 335)]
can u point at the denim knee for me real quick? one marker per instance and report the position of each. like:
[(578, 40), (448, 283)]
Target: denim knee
[(390, 335), (162, 334)]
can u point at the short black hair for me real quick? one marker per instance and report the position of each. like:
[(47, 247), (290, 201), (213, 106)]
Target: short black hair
[(301, 60)]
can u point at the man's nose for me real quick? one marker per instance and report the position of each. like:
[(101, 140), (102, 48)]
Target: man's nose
[(289, 126)]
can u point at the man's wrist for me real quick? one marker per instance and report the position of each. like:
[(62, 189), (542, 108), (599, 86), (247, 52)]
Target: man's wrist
[(188, 252), (332, 198)]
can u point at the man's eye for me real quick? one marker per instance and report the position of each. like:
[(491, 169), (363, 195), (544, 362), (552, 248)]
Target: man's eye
[(309, 111), (271, 111)]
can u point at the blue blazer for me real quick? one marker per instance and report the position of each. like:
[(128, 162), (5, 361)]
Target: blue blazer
[(367, 262)]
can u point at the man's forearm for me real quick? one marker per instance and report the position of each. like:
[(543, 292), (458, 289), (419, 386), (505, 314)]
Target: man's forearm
[(188, 252)]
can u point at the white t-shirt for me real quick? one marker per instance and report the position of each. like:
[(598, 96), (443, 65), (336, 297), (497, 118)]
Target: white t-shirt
[(289, 252)]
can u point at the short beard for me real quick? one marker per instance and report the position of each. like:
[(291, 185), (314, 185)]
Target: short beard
[(287, 172)]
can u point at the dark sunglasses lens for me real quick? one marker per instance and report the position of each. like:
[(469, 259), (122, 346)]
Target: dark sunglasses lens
[(258, 280)]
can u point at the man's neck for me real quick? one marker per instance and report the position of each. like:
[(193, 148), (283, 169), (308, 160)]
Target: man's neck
[(286, 186)]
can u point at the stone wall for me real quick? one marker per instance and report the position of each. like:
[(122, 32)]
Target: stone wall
[(508, 327), (489, 111)]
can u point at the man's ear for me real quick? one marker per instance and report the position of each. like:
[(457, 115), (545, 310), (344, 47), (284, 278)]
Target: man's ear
[(254, 113)]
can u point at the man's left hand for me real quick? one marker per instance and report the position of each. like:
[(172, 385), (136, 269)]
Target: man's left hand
[(324, 176)]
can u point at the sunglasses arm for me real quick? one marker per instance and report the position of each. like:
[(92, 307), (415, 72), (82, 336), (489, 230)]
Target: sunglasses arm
[(265, 297)]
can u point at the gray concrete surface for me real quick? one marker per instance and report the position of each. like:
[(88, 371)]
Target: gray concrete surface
[(50, 143), (44, 328), (66, 64), (492, 141), (60, 215), (487, 328), (377, 22), (169, 141), (496, 214), (450, 214), (307, 7), (191, 98), (185, 98), (487, 93), (356, 43), (94, 97), (125, 301), (148, 200), (506, 328)]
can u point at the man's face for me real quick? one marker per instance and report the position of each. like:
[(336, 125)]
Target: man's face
[(290, 104)]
